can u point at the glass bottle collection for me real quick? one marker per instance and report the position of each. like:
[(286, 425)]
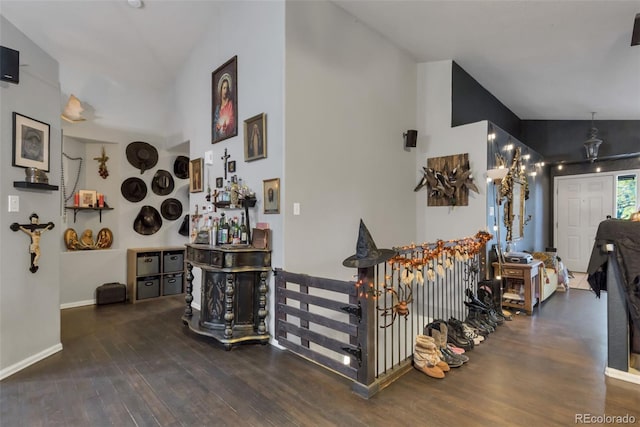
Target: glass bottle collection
[(219, 230)]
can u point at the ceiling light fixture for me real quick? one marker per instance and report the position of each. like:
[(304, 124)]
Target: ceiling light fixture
[(136, 4), (592, 144), (73, 110), (635, 36)]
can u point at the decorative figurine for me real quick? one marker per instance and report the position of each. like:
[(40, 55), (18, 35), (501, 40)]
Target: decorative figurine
[(34, 230)]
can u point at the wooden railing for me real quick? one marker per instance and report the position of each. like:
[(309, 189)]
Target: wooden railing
[(365, 330)]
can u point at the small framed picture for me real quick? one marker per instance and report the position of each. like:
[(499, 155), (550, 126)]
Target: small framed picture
[(271, 195), (30, 143), (88, 198), (196, 167), (224, 85), (255, 137), (231, 166), (219, 182)]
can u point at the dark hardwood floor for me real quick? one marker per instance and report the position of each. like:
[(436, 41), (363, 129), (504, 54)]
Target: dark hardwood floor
[(137, 365)]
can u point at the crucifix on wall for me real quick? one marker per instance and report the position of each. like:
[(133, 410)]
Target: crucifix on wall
[(224, 159)]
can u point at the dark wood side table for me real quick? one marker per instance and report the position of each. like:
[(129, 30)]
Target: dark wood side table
[(233, 293), (529, 274)]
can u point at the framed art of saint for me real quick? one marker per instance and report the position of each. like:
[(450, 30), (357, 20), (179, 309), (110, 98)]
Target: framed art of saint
[(224, 87), (30, 143), (271, 195), (255, 137), (196, 169)]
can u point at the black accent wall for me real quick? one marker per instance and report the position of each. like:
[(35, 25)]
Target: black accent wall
[(471, 103), (562, 140)]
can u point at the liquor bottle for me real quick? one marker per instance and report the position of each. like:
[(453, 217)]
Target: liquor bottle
[(243, 229), (221, 237), (214, 232)]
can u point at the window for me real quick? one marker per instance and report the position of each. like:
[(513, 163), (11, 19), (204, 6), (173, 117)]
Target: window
[(626, 195)]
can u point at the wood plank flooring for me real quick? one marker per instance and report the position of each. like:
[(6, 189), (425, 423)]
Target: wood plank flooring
[(137, 365)]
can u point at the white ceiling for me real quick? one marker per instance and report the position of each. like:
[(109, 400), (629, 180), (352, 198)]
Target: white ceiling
[(553, 59)]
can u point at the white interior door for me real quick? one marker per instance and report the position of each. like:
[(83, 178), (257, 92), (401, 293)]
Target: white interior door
[(582, 202)]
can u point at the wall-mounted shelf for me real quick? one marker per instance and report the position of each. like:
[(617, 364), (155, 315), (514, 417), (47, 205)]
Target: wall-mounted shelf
[(35, 185), (75, 210)]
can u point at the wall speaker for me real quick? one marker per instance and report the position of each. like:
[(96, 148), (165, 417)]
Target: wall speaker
[(9, 65), (410, 138)]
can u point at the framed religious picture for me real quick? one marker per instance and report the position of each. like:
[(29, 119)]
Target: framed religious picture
[(88, 198), (219, 182), (231, 166), (196, 170), (30, 143), (271, 195), (224, 88), (255, 137)]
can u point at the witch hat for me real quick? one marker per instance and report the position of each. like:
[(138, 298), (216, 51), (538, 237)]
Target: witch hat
[(367, 254)]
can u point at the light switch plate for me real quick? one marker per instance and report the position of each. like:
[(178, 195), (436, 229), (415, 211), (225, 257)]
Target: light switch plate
[(14, 204), (296, 208), (208, 157)]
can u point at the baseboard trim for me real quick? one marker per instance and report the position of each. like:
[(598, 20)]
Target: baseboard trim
[(77, 304), (621, 375), (10, 370)]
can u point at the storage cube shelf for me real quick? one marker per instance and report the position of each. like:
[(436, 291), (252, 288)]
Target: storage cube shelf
[(155, 272)]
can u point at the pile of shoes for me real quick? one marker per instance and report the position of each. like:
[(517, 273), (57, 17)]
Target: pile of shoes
[(450, 345)]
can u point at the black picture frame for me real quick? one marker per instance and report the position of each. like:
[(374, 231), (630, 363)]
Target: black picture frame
[(219, 182), (31, 143), (231, 166), (224, 105)]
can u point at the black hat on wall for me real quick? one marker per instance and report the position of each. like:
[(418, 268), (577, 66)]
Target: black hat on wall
[(171, 209), (148, 221), (181, 167), (142, 155), (162, 183), (133, 189)]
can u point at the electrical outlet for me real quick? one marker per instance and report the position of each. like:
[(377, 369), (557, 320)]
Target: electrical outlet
[(14, 204)]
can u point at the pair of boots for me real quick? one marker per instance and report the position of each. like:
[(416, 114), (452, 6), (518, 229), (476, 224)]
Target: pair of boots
[(441, 335), (426, 357)]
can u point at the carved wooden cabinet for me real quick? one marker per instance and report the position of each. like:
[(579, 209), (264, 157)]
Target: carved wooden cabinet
[(233, 298)]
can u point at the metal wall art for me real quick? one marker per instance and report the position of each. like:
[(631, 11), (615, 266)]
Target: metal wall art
[(448, 180)]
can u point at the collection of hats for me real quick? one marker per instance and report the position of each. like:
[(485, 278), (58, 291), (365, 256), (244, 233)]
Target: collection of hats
[(144, 156)]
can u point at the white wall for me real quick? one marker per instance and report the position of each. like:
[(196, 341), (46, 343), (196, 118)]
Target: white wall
[(254, 31), (29, 307), (437, 138), (350, 95)]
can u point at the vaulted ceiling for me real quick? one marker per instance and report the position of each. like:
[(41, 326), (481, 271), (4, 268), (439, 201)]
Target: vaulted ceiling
[(555, 59)]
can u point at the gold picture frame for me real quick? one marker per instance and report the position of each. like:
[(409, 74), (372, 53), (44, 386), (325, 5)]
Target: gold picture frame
[(271, 195), (255, 137), (196, 170)]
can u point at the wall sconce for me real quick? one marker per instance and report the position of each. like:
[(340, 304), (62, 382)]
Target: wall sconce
[(410, 138)]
